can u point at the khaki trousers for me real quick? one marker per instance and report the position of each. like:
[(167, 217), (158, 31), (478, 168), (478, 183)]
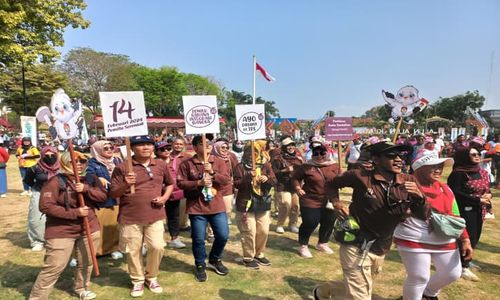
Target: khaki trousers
[(253, 233), (132, 236), (288, 207), (57, 255), (228, 202), (183, 216), (109, 230), (358, 272)]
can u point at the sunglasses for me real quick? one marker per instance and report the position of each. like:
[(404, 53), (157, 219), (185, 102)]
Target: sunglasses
[(163, 149), (82, 161), (474, 154), (392, 155), (318, 153), (108, 148), (150, 172)]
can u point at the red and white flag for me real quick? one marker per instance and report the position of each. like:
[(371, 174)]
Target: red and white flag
[(264, 73)]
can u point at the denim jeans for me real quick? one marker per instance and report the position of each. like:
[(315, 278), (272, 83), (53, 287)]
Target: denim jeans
[(23, 170), (219, 225)]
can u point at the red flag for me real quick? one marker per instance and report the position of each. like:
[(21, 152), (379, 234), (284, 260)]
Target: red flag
[(264, 73)]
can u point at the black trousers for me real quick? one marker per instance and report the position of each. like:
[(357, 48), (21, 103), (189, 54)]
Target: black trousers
[(474, 225), (311, 217), (173, 217)]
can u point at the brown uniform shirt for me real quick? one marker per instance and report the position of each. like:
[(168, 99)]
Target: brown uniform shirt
[(136, 208), (173, 166), (243, 182), (61, 206), (190, 171), (314, 186), (377, 205), (280, 163), (232, 162)]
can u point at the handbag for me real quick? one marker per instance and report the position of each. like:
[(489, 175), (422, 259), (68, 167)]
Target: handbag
[(260, 203), (446, 225)]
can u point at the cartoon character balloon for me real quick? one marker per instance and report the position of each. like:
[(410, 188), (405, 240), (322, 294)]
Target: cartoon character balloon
[(65, 115), (405, 103)]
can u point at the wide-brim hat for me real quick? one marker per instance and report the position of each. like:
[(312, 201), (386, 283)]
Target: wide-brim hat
[(141, 139), (287, 141), (429, 158), (382, 147)]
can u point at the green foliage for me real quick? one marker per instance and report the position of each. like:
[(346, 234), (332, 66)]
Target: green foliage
[(454, 108), (91, 72), (32, 29), (41, 82)]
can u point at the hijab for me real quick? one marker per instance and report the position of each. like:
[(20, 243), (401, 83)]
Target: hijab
[(463, 163), (26, 147), (327, 158), (51, 170), (261, 155), (65, 162), (216, 150), (97, 151)]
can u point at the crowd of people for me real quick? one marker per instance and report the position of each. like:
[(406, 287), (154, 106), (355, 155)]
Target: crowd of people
[(201, 185)]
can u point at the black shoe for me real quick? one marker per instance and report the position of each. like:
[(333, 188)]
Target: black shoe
[(218, 267), (199, 273), (251, 264), (424, 297), (263, 261)]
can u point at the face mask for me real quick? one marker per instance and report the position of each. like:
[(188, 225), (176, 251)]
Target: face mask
[(50, 160)]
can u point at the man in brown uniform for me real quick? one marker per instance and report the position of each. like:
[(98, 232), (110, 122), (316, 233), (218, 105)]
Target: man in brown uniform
[(381, 199), (142, 213), (193, 177)]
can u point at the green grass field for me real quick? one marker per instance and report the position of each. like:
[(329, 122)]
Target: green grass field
[(289, 277)]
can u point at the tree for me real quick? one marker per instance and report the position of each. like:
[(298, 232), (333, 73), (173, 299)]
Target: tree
[(91, 72), (32, 30), (41, 80), (377, 113), (454, 108)]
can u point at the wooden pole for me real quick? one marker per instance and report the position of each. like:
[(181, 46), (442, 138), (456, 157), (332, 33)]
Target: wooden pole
[(397, 130), (86, 225), (339, 145), (204, 142), (129, 162)]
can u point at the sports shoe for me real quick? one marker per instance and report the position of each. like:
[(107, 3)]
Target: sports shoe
[(3, 195), (137, 290), (324, 248), (294, 229), (200, 273), (468, 275), (218, 267), (154, 286), (280, 229), (488, 216), (29, 193), (87, 295), (37, 248), (72, 262), (176, 244), (24, 193), (116, 255), (251, 264), (304, 251), (144, 250), (263, 261), (424, 297)]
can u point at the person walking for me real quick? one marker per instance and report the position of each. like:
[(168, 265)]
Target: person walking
[(201, 181), (419, 245), (4, 158), (64, 229), (288, 201), (310, 181), (27, 156), (470, 185), (36, 176), (141, 214), (253, 204), (177, 156)]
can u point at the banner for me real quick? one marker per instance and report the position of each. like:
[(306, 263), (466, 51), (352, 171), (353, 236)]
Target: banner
[(250, 122), (461, 130), (338, 129), (28, 128), (201, 114), (123, 114), (454, 134)]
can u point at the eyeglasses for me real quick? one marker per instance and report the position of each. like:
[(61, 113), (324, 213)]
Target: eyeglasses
[(474, 154), (392, 155), (150, 172), (82, 161), (318, 153), (108, 148)]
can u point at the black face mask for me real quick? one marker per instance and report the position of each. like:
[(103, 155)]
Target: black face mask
[(50, 160)]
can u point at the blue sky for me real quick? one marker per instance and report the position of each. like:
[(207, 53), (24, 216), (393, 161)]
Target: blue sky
[(325, 55)]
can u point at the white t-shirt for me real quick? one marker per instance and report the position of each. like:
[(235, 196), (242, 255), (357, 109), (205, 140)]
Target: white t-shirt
[(354, 152)]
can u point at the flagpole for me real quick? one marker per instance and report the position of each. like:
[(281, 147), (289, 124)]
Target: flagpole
[(254, 67)]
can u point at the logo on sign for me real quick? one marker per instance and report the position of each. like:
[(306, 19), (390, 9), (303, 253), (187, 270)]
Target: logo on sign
[(250, 122), (201, 116)]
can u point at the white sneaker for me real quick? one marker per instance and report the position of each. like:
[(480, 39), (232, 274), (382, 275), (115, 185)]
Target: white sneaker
[(144, 250), (324, 248), (116, 255), (87, 295), (304, 251), (24, 193), (280, 229), (37, 248), (488, 216), (468, 275), (294, 229), (72, 262), (30, 193), (176, 244), (3, 195)]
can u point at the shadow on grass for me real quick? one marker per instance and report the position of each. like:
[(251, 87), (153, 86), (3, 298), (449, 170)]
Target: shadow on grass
[(18, 277), (488, 247), (172, 264), (283, 243), (487, 267), (18, 239), (237, 294)]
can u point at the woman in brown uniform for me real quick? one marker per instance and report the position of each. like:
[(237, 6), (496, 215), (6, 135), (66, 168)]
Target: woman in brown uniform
[(64, 228)]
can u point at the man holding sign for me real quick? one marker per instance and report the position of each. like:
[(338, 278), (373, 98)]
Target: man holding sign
[(142, 213)]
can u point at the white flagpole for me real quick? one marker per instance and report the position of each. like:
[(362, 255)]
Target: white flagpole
[(254, 67)]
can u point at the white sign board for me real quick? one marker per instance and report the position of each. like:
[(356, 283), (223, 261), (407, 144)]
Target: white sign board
[(28, 127), (251, 122), (454, 134), (123, 114), (201, 114)]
